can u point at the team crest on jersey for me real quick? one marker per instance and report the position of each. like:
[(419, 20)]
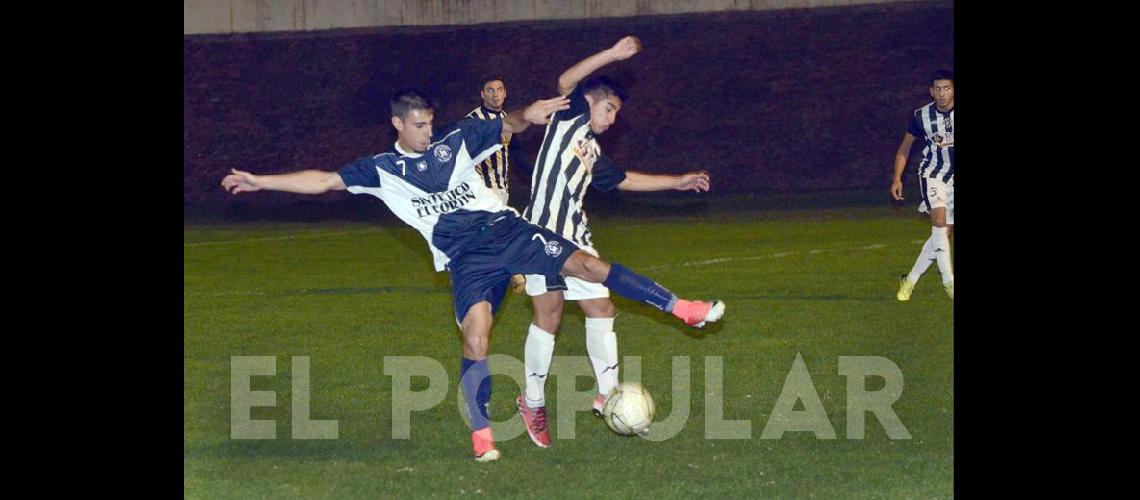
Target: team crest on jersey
[(553, 248), (421, 166), (585, 153), (443, 153)]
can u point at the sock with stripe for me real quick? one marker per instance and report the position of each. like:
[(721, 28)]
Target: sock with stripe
[(601, 345)]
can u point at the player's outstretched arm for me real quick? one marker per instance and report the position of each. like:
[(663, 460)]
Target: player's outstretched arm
[(622, 50), (900, 164), (538, 113), (637, 181), (304, 182)]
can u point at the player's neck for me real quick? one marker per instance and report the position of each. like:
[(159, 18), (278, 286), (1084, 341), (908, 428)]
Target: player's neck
[(948, 108), (406, 150)]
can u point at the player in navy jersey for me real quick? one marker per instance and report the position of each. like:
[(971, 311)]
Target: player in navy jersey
[(430, 182), (933, 122), (570, 161)]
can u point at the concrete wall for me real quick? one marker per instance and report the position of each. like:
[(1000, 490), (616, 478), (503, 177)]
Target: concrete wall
[(785, 101), (245, 16)]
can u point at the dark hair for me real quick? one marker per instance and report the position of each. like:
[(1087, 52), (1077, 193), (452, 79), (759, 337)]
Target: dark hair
[(408, 100), (942, 74), (483, 82), (601, 85)]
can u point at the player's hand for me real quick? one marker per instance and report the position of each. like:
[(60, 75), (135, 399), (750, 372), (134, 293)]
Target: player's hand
[(626, 48), (518, 284), (240, 182), (540, 112), (896, 190), (696, 181)]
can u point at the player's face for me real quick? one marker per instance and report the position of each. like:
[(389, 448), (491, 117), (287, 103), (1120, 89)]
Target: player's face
[(943, 93), (494, 94), (603, 112), (414, 130)]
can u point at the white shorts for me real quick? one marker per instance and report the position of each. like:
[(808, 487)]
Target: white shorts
[(935, 194), (573, 288)]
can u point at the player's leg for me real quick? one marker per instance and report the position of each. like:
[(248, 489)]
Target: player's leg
[(601, 346), (478, 287), (631, 285), (531, 249), (940, 202), (475, 378), (925, 255), (537, 355)]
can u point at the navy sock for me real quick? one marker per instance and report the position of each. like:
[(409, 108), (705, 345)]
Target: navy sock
[(634, 286), (476, 382)]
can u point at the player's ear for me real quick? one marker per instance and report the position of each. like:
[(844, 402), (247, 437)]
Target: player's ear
[(398, 123), (589, 99)]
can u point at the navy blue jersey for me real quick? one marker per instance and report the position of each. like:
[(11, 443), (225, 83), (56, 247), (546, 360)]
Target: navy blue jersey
[(439, 192)]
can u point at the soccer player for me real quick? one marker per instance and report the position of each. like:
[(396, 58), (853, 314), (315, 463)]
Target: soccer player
[(429, 181), (933, 122), (569, 161), (496, 168)]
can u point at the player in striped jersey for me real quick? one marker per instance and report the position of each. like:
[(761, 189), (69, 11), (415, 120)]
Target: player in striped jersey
[(497, 167), (935, 124), (429, 181), (569, 161)]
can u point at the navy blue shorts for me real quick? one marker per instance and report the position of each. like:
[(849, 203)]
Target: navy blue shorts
[(507, 246)]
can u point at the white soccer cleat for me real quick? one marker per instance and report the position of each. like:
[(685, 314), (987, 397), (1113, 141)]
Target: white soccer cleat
[(489, 456)]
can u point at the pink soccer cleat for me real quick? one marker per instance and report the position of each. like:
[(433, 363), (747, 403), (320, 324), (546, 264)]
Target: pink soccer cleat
[(696, 313), (535, 420)]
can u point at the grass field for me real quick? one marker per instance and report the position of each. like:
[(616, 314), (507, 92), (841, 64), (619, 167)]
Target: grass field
[(817, 283)]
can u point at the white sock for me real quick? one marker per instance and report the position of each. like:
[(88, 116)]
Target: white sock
[(538, 353), (601, 345), (925, 259), (942, 253)]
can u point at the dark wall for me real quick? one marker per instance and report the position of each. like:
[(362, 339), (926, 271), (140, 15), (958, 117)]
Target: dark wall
[(768, 102)]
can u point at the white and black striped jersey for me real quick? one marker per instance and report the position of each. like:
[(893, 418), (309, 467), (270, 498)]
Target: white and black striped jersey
[(495, 168), (936, 128), (568, 162)]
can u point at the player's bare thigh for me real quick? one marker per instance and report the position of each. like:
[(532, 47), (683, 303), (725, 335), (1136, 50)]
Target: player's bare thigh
[(585, 266), (476, 329)]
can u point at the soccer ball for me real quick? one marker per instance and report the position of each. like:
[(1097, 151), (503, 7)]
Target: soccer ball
[(629, 410)]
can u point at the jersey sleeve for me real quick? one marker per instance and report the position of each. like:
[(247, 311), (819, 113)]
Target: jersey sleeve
[(605, 176), (914, 127), (578, 105), (361, 172), (480, 135)]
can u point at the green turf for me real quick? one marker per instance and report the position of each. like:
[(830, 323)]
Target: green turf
[(817, 283)]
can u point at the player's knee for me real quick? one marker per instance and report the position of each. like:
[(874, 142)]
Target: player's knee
[(476, 329), (548, 313), (598, 308), (548, 322)]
